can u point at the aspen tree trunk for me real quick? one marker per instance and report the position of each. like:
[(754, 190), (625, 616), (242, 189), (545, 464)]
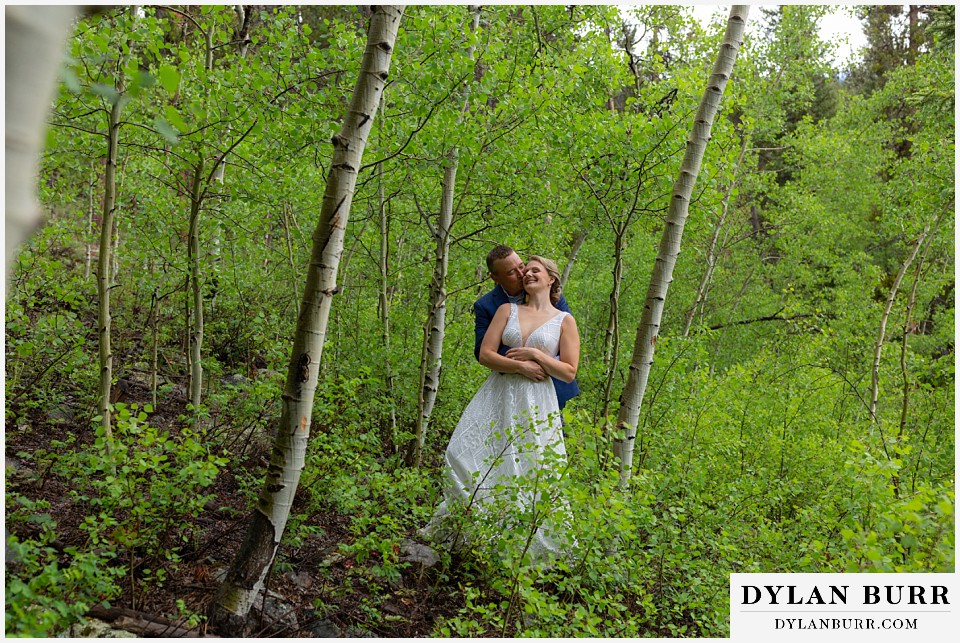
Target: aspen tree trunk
[(90, 208), (104, 269), (294, 276), (384, 301), (155, 337), (435, 327), (701, 296), (197, 194), (35, 39), (245, 580), (649, 326), (575, 245), (908, 328), (881, 333), (196, 289), (115, 241), (479, 276), (611, 351)]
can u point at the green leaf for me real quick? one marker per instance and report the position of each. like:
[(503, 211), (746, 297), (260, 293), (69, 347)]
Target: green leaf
[(143, 80), (69, 78), (169, 78), (174, 118), (107, 91), (165, 130)]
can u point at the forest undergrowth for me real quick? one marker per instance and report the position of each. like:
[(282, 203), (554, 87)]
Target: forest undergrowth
[(799, 414), (151, 524)]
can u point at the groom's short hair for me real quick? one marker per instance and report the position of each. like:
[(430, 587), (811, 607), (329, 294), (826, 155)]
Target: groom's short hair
[(498, 252)]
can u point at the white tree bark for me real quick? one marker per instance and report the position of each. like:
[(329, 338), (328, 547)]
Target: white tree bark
[(384, 306), (649, 327), (35, 39), (700, 298), (611, 342), (89, 261), (884, 318), (230, 606), (575, 244), (105, 270), (908, 329), (105, 265), (196, 288), (435, 326)]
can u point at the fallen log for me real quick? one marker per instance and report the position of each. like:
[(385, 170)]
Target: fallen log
[(146, 625)]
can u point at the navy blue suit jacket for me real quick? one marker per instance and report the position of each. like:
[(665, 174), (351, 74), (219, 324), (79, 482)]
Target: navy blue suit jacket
[(483, 311)]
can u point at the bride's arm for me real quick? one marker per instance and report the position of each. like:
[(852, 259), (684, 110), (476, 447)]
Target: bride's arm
[(490, 358), (564, 368)]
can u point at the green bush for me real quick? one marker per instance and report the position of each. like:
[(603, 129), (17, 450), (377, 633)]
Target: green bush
[(142, 487), (46, 590)]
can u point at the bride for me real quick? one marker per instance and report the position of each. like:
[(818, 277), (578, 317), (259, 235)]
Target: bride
[(513, 422)]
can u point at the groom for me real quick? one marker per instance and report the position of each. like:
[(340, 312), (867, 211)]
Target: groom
[(506, 271)]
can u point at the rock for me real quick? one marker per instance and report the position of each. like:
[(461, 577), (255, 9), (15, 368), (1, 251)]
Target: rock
[(325, 630), (299, 579), (95, 629), (233, 380), (391, 607), (278, 612), (62, 415), (333, 559), (356, 633), (414, 552), (139, 378)]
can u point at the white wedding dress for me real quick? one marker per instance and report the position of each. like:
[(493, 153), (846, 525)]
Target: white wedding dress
[(503, 435)]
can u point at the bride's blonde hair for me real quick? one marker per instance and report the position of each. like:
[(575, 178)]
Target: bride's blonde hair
[(551, 267)]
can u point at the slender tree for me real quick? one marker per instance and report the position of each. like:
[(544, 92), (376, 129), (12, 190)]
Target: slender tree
[(194, 271), (105, 267), (669, 249), (576, 242), (94, 179), (435, 327), (384, 301), (908, 329), (884, 318), (712, 245), (245, 580)]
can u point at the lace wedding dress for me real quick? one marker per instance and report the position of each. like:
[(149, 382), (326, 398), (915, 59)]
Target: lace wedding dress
[(495, 461)]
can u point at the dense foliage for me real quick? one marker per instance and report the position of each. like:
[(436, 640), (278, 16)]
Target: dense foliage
[(799, 417)]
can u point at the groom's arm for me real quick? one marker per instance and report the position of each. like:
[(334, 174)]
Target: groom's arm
[(482, 316), (481, 321)]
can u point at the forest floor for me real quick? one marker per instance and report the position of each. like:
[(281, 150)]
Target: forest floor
[(327, 593)]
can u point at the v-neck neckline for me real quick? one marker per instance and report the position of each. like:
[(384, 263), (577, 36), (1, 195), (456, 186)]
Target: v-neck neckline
[(523, 341)]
